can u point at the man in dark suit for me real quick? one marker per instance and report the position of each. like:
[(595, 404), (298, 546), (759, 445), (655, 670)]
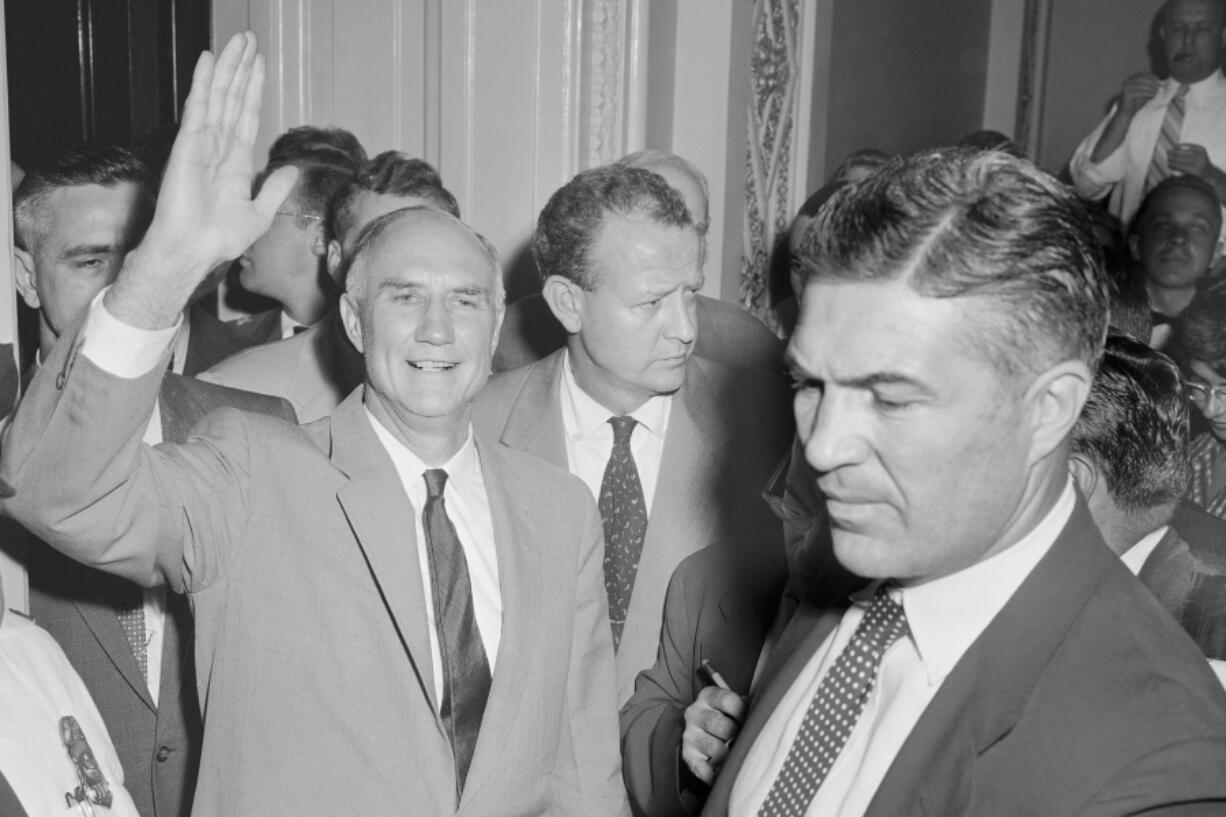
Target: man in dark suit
[(390, 612), (725, 332), (675, 447), (1130, 459), (77, 219), (1003, 661)]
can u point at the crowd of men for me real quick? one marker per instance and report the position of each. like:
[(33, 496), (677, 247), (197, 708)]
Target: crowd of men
[(395, 546)]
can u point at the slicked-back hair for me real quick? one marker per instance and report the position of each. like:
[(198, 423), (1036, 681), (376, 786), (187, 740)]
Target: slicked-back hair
[(1134, 427), (353, 268), (317, 184), (308, 143), (1181, 182), (1130, 307), (1200, 329), (651, 159), (76, 165), (573, 217), (390, 173), (956, 223)]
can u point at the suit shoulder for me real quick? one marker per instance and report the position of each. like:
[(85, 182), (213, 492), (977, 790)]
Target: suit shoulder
[(267, 367), (494, 402), (531, 473), (215, 396)]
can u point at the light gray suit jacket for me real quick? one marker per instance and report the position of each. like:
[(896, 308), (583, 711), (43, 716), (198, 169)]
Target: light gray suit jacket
[(296, 546), (728, 429)]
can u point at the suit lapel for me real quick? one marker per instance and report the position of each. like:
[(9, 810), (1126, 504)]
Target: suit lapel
[(982, 698), (381, 516), (521, 580), (103, 621), (534, 423)]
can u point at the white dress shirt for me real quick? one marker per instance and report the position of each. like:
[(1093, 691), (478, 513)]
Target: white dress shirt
[(40, 687), (589, 436), (1134, 559), (1123, 172), (468, 508), (945, 616), (289, 326)]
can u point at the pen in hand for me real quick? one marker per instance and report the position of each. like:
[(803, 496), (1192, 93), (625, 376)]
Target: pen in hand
[(714, 675)]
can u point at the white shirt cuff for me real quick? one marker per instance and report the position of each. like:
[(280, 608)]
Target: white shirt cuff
[(120, 349)]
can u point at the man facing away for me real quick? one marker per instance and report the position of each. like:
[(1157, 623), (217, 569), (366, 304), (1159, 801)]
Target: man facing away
[(1004, 661), (390, 613), (1159, 128), (1130, 459), (675, 447)]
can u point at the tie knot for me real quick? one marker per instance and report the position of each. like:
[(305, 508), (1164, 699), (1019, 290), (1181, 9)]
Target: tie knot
[(436, 479), (623, 427), (884, 623)]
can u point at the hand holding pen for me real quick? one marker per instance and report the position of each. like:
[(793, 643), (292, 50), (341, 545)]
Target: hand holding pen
[(711, 724)]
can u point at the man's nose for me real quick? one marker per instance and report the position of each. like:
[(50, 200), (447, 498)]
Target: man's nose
[(682, 319), (436, 326), (833, 434)]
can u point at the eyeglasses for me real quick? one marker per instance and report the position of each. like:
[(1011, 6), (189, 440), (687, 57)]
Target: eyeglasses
[(301, 220), (1200, 393)]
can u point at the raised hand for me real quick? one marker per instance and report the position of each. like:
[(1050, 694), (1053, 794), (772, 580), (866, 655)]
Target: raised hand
[(1136, 91), (205, 213)]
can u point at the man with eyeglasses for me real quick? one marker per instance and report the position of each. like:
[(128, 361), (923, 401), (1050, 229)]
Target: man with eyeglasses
[(288, 263), (1200, 345)]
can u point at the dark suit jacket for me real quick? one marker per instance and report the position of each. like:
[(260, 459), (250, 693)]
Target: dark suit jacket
[(1188, 575), (297, 547), (158, 746), (211, 340), (725, 332), (1081, 697), (727, 430)]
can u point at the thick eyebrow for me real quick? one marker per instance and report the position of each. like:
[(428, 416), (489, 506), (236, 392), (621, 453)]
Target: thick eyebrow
[(89, 249), (868, 381), (409, 286)]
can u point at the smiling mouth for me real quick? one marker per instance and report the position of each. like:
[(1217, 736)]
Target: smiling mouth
[(432, 365)]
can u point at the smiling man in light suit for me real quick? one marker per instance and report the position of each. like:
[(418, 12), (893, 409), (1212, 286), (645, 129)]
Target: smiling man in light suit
[(391, 613), (675, 447)]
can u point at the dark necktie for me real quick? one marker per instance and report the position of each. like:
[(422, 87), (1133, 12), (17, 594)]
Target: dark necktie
[(834, 710), (1168, 137), (466, 672), (132, 621), (624, 514)]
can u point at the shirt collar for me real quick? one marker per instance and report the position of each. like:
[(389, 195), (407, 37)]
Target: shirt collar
[(463, 466), (1134, 558), (946, 615), (288, 325), (585, 416), (1210, 86)]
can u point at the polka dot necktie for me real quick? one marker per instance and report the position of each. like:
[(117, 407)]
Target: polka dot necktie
[(834, 710), (132, 621), (624, 514), (466, 671), (1168, 137)]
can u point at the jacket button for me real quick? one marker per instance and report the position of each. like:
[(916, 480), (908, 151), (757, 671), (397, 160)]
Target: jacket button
[(163, 754)]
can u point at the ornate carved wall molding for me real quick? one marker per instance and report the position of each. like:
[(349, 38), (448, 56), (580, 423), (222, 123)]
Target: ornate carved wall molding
[(771, 115), (604, 89)]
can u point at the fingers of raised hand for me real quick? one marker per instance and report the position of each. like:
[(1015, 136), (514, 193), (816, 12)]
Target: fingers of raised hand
[(698, 764), (227, 74)]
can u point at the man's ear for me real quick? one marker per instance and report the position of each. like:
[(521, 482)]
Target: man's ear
[(351, 320), (1084, 473), (1055, 398), (319, 244), (566, 301), (334, 258), (24, 277)]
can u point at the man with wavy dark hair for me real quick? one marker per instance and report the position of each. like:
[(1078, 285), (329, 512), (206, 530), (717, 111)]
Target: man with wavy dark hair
[(1001, 661), (675, 447)]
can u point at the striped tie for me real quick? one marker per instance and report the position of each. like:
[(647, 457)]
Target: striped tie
[(1168, 137)]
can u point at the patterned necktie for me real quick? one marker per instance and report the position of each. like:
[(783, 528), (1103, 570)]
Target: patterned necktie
[(834, 710), (466, 672), (1168, 137), (132, 620), (624, 514)]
